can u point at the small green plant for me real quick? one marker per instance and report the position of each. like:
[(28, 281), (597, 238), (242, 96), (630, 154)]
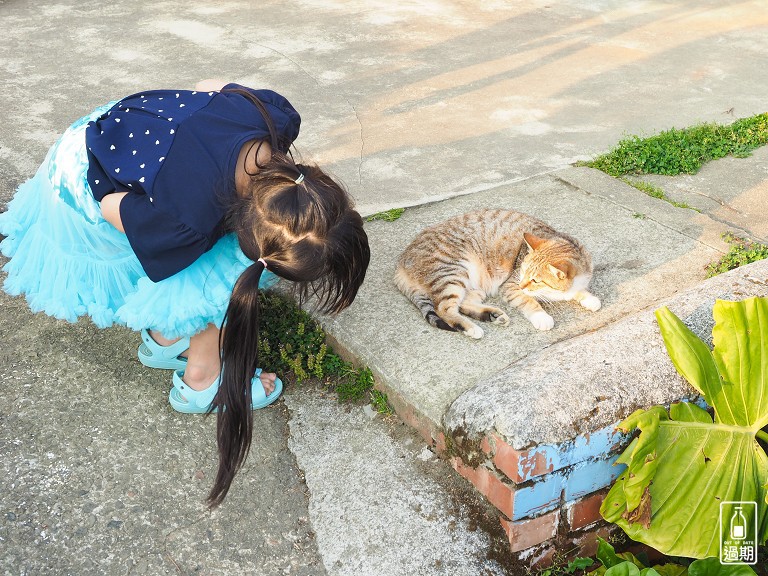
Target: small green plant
[(561, 567), (741, 251), (354, 384), (656, 192), (684, 462), (627, 564), (291, 342), (639, 216), (683, 151), (380, 403), (387, 215)]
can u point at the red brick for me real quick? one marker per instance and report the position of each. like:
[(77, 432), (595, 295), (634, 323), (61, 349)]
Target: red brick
[(586, 511), (432, 435), (439, 439), (586, 543), (528, 533), (517, 465), (488, 483), (542, 557)]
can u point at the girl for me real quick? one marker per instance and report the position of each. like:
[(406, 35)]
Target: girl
[(165, 212)]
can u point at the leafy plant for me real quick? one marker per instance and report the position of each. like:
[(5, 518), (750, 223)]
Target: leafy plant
[(627, 564), (291, 342), (570, 567), (742, 251), (683, 151), (684, 463)]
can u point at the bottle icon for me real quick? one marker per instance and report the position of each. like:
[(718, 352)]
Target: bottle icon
[(738, 525)]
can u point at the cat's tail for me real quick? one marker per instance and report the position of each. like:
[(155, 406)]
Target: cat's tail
[(422, 301)]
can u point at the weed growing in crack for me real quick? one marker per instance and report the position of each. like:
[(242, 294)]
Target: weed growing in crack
[(656, 192), (742, 251)]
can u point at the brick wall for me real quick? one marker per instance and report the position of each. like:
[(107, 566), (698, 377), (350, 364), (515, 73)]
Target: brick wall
[(548, 496)]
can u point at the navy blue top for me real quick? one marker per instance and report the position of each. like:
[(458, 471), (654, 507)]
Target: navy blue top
[(175, 152)]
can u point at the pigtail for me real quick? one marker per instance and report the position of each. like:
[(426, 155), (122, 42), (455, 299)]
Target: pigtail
[(304, 224), (238, 341)]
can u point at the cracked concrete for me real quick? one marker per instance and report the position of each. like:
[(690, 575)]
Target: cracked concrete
[(740, 204)]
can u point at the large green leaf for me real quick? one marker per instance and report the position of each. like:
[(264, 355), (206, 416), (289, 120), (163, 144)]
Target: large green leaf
[(683, 465), (712, 567), (740, 338)]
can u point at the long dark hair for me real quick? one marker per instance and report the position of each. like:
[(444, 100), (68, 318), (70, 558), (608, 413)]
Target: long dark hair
[(307, 233)]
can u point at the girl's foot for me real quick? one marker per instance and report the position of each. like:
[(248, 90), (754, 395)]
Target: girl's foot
[(201, 377)]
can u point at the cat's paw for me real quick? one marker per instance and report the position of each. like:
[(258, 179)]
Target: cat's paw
[(500, 317), (542, 321), (592, 303), (474, 332)]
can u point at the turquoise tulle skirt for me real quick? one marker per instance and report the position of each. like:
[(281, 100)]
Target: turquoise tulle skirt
[(70, 262)]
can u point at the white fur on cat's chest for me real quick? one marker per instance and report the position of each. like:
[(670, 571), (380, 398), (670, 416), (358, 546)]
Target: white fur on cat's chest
[(480, 279)]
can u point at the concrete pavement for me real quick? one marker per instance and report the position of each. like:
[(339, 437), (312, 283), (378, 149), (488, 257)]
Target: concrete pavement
[(408, 103)]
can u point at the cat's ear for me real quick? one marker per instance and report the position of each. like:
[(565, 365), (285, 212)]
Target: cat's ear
[(533, 242), (557, 272)]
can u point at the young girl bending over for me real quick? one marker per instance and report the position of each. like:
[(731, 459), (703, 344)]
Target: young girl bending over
[(165, 212)]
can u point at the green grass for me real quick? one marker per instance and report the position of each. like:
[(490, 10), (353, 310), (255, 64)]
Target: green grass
[(386, 216), (656, 192), (683, 151), (742, 251), (292, 344)]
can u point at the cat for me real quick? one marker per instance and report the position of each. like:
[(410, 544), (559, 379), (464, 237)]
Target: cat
[(451, 268)]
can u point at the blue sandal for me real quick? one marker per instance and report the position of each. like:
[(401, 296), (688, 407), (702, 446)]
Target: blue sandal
[(153, 355), (185, 399)]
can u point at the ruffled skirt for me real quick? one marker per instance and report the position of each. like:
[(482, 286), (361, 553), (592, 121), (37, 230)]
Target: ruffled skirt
[(70, 262)]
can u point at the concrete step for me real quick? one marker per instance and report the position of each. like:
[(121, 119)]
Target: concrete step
[(549, 399), (643, 249)]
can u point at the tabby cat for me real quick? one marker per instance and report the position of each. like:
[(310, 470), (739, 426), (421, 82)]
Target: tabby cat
[(450, 269)]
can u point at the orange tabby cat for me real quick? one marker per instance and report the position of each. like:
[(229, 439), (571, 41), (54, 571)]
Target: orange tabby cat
[(451, 268)]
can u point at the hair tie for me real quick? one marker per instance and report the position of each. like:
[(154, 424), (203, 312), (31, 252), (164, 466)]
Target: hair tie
[(300, 179), (264, 263)]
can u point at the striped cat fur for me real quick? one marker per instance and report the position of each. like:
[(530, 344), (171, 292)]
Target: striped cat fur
[(450, 269)]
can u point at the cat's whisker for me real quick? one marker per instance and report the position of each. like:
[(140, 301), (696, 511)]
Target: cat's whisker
[(545, 299)]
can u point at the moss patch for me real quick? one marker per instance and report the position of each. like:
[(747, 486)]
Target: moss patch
[(386, 216)]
